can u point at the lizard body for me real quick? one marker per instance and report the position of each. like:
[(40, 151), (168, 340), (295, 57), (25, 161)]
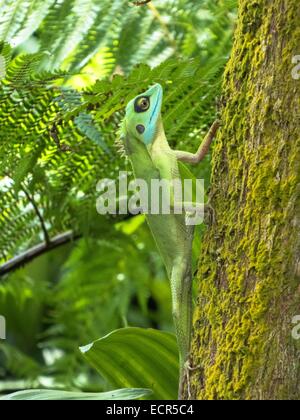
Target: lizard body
[(151, 157)]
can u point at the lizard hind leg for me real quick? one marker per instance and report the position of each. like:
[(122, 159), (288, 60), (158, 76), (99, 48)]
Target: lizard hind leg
[(181, 284)]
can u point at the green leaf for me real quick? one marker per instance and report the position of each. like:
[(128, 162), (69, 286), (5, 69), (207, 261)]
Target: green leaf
[(88, 127), (136, 357), (47, 395)]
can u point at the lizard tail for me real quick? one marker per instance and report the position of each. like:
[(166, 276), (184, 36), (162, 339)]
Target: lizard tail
[(181, 283)]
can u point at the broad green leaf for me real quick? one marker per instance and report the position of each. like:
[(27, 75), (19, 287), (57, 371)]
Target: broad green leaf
[(137, 357), (46, 395)]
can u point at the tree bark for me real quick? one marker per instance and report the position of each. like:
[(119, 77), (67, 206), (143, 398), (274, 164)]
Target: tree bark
[(249, 270)]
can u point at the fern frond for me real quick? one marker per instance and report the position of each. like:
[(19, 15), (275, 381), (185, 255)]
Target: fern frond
[(50, 135)]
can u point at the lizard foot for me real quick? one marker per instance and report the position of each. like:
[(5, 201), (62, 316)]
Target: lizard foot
[(188, 369), (209, 215)]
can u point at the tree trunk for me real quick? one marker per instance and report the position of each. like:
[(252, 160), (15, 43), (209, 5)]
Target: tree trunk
[(249, 275)]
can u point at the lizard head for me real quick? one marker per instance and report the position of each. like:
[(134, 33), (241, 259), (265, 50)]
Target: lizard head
[(143, 115)]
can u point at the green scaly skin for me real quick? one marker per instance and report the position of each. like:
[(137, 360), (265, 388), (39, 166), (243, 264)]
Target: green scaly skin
[(151, 157)]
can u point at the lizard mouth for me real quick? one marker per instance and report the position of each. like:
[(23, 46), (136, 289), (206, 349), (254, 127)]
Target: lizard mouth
[(157, 103)]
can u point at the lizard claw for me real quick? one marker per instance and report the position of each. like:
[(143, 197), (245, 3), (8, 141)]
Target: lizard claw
[(187, 373), (209, 215)]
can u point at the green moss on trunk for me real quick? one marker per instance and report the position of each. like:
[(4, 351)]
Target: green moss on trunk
[(249, 267)]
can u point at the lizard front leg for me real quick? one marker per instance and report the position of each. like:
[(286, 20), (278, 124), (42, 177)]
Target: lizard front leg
[(194, 158)]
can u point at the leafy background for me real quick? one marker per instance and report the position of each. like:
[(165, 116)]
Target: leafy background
[(71, 67)]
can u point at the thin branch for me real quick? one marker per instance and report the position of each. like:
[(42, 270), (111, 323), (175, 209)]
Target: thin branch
[(38, 213), (160, 20), (37, 251), (163, 25), (141, 2)]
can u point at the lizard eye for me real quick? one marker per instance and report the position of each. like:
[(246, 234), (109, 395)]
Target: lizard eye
[(142, 104)]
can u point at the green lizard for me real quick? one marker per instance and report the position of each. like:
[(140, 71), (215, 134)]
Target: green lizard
[(146, 146)]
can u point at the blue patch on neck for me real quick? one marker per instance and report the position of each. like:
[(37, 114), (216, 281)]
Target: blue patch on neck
[(149, 134)]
